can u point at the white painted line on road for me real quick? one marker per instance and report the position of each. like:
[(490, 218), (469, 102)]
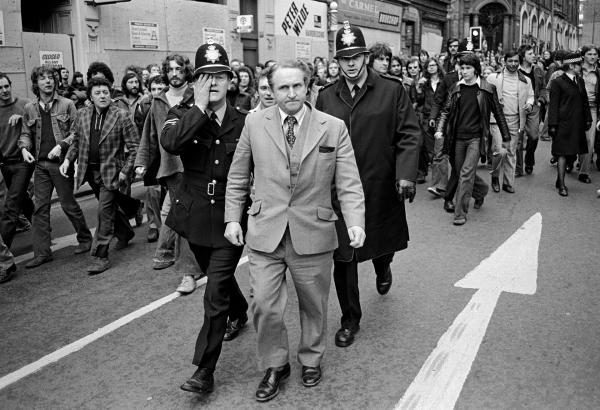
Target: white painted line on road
[(510, 268), (77, 345)]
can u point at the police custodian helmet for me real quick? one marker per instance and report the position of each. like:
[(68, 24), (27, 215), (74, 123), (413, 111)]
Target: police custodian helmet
[(349, 41), (211, 58)]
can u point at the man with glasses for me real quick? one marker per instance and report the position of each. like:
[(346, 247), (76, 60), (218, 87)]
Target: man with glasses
[(203, 129), (385, 135), (452, 58)]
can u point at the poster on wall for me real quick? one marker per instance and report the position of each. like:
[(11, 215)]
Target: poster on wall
[(2, 39), (143, 35), (51, 58), (303, 50), (216, 34), (297, 18)]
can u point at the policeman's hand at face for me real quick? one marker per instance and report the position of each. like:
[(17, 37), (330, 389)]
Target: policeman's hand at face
[(202, 91), (357, 236), (406, 190), (234, 233)]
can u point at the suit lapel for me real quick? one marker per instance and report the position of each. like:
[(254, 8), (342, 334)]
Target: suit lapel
[(109, 122), (273, 129), (314, 132)]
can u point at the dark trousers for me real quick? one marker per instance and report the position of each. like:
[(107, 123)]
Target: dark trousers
[(16, 177), (222, 299), (111, 219), (426, 150), (345, 276), (48, 177)]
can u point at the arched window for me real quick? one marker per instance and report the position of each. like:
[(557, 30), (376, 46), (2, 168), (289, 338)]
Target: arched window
[(524, 26)]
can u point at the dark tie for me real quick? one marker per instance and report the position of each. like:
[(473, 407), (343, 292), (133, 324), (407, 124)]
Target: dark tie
[(213, 118), (356, 90), (290, 120)]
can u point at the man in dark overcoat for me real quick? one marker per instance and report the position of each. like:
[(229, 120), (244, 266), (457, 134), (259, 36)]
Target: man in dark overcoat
[(385, 134), (204, 130)]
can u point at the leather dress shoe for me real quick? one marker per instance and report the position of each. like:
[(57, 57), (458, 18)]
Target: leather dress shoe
[(121, 244), (563, 191), (585, 178), (345, 336), (311, 376), (383, 282), (508, 188), (37, 261), (7, 274), (83, 248), (152, 235), (202, 381), (529, 169), (478, 203), (234, 327), (449, 206), (268, 387), (495, 184)]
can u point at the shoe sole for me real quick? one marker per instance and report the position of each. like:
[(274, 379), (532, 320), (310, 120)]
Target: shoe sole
[(185, 291), (275, 394), (311, 384), (161, 267), (192, 389)]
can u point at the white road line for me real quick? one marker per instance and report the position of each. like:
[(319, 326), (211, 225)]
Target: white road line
[(510, 268), (77, 345)]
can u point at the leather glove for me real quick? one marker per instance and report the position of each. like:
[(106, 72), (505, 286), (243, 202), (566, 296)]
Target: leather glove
[(552, 131), (406, 190)]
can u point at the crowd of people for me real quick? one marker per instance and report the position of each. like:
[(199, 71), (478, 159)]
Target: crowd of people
[(231, 155)]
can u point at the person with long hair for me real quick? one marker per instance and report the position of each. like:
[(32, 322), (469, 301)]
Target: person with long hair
[(395, 67), (333, 71)]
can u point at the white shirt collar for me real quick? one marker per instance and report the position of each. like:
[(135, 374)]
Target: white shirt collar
[(299, 116), (361, 83), (571, 76), (220, 113), (478, 81)]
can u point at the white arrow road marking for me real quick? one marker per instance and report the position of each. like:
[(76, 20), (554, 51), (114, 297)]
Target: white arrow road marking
[(510, 268)]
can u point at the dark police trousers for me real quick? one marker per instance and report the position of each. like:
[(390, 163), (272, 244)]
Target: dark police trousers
[(222, 299), (345, 275)]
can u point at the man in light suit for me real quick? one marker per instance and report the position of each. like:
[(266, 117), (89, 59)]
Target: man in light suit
[(297, 154)]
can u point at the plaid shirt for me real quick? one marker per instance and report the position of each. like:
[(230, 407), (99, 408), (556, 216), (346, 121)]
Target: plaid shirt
[(118, 132)]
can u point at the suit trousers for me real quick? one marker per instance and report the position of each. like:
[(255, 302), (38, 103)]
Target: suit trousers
[(466, 158), (153, 197), (222, 299), (503, 166), (111, 219), (345, 275), (16, 177), (311, 275), (46, 178)]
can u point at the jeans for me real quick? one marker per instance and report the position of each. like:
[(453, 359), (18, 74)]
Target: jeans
[(590, 135), (6, 257), (17, 177), (111, 220), (466, 158), (503, 165), (169, 242), (532, 131), (47, 177), (153, 195), (439, 166)]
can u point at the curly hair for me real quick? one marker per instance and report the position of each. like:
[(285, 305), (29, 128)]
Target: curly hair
[(102, 68), (181, 61), (37, 72), (250, 75)]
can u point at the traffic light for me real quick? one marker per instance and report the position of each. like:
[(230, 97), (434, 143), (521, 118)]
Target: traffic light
[(476, 34)]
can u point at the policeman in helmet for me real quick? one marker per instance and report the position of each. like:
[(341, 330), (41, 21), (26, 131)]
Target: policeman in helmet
[(203, 130), (385, 134)]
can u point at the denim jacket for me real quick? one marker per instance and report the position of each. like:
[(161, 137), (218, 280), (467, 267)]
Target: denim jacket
[(62, 112)]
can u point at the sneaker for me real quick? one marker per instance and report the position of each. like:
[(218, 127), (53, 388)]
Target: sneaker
[(187, 285), (98, 265), (158, 264), (438, 193), (460, 221)]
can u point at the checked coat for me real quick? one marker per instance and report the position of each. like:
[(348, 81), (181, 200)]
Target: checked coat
[(118, 132)]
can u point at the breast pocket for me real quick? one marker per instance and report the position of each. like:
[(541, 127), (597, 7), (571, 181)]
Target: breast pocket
[(63, 122)]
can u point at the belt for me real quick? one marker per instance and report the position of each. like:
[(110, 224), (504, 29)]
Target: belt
[(211, 187)]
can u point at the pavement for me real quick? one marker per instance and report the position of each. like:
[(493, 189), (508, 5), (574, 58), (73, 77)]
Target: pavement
[(538, 351)]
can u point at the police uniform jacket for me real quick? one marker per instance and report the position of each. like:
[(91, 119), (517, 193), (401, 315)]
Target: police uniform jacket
[(385, 135), (206, 151)]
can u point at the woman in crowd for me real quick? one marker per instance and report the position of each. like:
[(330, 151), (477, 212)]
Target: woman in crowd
[(333, 71)]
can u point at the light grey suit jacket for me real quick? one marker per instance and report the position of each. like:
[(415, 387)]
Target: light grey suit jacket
[(327, 161)]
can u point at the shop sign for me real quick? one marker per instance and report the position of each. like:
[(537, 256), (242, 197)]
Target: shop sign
[(303, 50), (51, 58), (371, 13), (298, 18), (215, 34), (143, 35), (245, 23)]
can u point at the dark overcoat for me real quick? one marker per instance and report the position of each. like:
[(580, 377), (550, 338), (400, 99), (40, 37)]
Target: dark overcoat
[(385, 135), (206, 152), (569, 113)]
